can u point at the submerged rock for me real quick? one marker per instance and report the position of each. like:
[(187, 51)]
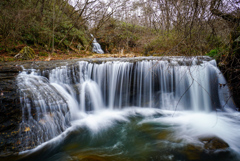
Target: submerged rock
[(193, 152), (209, 147), (213, 143)]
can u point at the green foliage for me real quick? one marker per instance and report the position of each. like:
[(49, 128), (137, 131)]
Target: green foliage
[(163, 42), (10, 59), (53, 54), (79, 35), (2, 59), (213, 53), (116, 35), (216, 53), (31, 23), (214, 40), (43, 54)]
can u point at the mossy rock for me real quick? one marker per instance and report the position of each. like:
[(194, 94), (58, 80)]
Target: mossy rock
[(209, 147), (213, 143), (26, 53)]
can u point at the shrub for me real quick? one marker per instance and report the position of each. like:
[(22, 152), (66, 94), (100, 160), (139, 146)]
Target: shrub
[(214, 53)]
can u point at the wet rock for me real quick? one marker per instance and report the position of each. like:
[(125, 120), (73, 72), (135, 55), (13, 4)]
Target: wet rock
[(208, 148), (193, 152), (10, 110), (12, 140), (213, 143)]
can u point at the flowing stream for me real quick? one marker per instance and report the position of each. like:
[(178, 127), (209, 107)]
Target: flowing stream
[(152, 109)]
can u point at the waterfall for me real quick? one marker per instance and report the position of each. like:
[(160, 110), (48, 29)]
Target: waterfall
[(96, 46), (52, 99), (165, 84), (45, 111)]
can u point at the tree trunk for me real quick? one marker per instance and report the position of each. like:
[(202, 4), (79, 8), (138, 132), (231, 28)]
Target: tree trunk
[(53, 26)]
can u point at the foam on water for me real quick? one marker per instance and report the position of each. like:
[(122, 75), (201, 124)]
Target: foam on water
[(191, 125), (104, 126)]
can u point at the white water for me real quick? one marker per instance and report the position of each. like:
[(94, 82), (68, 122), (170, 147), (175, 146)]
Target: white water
[(186, 126), (160, 84), (186, 92), (96, 46), (45, 112)]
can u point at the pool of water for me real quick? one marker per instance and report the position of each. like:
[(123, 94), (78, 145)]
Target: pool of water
[(142, 134)]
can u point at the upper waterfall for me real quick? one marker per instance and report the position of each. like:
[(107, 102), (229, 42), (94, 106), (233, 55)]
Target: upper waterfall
[(96, 46)]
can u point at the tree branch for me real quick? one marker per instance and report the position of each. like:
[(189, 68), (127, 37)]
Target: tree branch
[(217, 12)]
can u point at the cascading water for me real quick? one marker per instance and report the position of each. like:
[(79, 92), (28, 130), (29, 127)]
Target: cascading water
[(45, 111), (96, 46), (162, 104), (182, 84)]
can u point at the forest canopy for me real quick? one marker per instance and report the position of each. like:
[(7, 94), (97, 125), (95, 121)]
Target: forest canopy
[(57, 28)]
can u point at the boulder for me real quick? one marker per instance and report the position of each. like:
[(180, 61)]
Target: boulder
[(208, 148), (213, 143)]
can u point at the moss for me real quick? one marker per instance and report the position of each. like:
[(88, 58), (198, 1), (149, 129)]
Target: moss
[(2, 59), (43, 54), (10, 59), (26, 53), (54, 54)]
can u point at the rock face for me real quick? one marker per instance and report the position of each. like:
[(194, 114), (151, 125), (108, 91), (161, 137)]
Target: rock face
[(232, 74), (10, 107), (12, 140), (10, 110)]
